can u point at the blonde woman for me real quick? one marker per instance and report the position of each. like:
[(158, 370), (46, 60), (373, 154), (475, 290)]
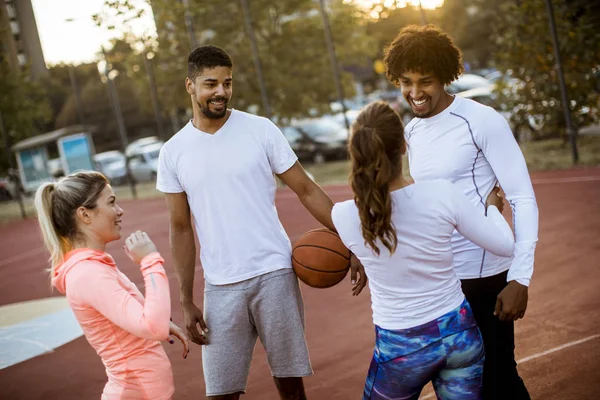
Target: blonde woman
[(78, 217)]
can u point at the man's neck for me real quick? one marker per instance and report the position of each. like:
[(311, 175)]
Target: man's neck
[(209, 125), (445, 102)]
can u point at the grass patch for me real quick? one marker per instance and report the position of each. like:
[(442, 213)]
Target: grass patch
[(553, 154), (9, 210)]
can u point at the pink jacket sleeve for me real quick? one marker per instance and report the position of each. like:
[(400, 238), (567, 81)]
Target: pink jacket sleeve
[(102, 290)]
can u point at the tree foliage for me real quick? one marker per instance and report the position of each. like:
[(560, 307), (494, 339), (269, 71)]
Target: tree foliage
[(291, 44), (23, 106), (97, 107), (525, 52)]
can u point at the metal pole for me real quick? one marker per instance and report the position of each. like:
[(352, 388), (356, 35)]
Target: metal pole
[(76, 95), (114, 99), (561, 82), (11, 163), (423, 15), (256, 57), (154, 96), (189, 24), (334, 65)]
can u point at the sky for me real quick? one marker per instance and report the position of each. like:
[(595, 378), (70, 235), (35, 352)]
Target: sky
[(426, 4), (80, 40)]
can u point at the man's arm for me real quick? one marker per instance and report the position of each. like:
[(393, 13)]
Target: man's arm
[(183, 248), (318, 203), (312, 196), (506, 159)]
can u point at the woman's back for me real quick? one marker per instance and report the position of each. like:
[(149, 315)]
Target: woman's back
[(417, 282)]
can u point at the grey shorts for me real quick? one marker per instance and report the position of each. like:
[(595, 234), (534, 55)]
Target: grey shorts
[(269, 307)]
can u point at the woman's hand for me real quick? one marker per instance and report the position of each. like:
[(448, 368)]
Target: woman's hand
[(138, 245), (176, 331)]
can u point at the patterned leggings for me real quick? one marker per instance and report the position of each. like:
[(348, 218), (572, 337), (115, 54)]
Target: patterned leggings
[(447, 351)]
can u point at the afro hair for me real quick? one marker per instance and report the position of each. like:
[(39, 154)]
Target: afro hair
[(423, 49)]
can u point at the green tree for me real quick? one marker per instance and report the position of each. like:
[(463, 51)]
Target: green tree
[(525, 52), (291, 43), (98, 109), (23, 106)]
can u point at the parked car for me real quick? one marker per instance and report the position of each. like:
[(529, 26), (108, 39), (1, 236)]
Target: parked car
[(143, 163), (466, 82), (317, 139), (135, 146), (112, 165), (487, 96), (350, 115)]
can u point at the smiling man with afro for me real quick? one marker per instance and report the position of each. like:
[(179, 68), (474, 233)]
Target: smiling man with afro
[(472, 146)]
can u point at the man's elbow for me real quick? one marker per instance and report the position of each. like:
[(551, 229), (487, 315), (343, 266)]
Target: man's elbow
[(179, 229), (307, 190)]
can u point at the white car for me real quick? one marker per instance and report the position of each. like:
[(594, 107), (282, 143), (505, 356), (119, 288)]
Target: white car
[(143, 163), (112, 165), (467, 82), (136, 146)]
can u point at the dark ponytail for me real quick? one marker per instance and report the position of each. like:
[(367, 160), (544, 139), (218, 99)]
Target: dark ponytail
[(376, 147)]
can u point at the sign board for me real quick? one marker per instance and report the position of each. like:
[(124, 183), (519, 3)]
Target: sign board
[(33, 167), (76, 153)]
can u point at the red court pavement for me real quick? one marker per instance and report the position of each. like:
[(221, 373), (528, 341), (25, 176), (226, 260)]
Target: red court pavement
[(564, 307)]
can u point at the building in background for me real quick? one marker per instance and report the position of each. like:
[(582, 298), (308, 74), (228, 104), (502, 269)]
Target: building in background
[(20, 42)]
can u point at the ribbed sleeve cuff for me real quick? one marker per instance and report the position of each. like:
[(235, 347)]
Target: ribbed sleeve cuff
[(151, 260)]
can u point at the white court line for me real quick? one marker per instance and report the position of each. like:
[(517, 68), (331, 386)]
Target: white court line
[(542, 181), (537, 355), (555, 349), (21, 256)]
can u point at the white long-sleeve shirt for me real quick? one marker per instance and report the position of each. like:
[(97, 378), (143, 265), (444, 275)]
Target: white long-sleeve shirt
[(472, 146), (417, 283)]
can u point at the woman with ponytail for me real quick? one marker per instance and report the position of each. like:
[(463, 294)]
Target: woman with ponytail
[(78, 217), (401, 232)]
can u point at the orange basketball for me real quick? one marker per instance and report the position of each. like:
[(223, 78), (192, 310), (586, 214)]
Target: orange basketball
[(320, 259)]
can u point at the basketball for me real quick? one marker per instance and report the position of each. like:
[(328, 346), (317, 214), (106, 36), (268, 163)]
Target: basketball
[(320, 259)]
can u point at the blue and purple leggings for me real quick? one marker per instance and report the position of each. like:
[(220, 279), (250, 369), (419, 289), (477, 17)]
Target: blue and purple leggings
[(447, 351)]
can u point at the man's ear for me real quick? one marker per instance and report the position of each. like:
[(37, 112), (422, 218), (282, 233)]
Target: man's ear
[(403, 149), (189, 86), (84, 215)]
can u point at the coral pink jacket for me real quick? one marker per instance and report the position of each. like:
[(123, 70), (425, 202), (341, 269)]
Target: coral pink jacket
[(124, 328)]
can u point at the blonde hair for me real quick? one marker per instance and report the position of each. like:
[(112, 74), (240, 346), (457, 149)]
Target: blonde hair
[(56, 204)]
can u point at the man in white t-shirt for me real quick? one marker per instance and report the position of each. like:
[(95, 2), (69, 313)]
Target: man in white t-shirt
[(219, 169), (472, 146)]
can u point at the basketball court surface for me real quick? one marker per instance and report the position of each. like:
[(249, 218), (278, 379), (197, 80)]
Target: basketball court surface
[(44, 356)]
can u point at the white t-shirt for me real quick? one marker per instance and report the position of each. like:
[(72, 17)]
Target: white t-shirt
[(472, 146), (229, 181), (417, 283)]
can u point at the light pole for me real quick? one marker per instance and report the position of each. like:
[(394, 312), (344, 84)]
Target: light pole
[(189, 24), (423, 15), (561, 83), (256, 56), (148, 56), (75, 87), (333, 60), (108, 75), (11, 164)]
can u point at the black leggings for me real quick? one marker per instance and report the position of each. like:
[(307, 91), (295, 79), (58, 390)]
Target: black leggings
[(501, 381)]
